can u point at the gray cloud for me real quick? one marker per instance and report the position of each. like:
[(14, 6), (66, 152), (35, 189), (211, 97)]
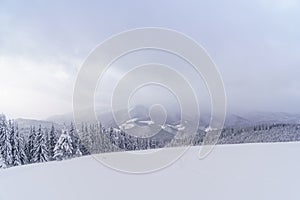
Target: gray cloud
[(255, 44)]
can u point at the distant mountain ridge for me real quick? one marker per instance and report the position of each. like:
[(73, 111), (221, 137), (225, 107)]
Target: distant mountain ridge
[(232, 120), (27, 123)]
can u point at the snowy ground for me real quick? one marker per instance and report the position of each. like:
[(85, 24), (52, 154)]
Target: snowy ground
[(248, 171)]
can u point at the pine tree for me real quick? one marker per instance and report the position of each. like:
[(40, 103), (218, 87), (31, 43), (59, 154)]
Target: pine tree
[(30, 144), (5, 144), (2, 162), (51, 142), (63, 148), (13, 141), (96, 139), (78, 153), (3, 125), (40, 153), (46, 136), (75, 141), (86, 141), (20, 156), (2, 140), (3, 130)]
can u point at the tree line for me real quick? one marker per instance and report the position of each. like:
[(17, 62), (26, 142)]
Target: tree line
[(42, 144)]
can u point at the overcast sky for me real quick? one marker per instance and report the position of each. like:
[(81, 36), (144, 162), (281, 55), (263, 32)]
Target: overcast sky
[(255, 45)]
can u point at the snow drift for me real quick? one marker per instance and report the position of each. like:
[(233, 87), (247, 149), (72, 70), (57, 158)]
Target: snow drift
[(248, 171)]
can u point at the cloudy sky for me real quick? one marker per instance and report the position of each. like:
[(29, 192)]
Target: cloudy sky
[(255, 45)]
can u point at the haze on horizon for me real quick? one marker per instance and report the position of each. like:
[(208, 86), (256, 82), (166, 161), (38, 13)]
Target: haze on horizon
[(255, 45)]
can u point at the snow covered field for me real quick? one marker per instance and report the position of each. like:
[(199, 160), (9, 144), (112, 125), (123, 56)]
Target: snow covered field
[(247, 171)]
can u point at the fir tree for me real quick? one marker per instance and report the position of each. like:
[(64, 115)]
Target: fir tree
[(20, 156), (13, 141), (75, 140), (40, 153), (51, 142), (3, 130), (2, 162), (86, 141), (30, 144), (63, 148), (5, 144)]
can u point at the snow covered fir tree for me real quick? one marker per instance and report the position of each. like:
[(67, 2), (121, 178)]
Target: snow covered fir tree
[(38, 144), (64, 146)]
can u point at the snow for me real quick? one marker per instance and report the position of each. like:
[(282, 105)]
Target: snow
[(127, 126), (210, 129), (173, 128), (132, 120), (248, 171), (180, 127), (147, 122)]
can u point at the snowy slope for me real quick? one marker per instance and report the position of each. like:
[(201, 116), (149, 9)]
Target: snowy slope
[(248, 171)]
